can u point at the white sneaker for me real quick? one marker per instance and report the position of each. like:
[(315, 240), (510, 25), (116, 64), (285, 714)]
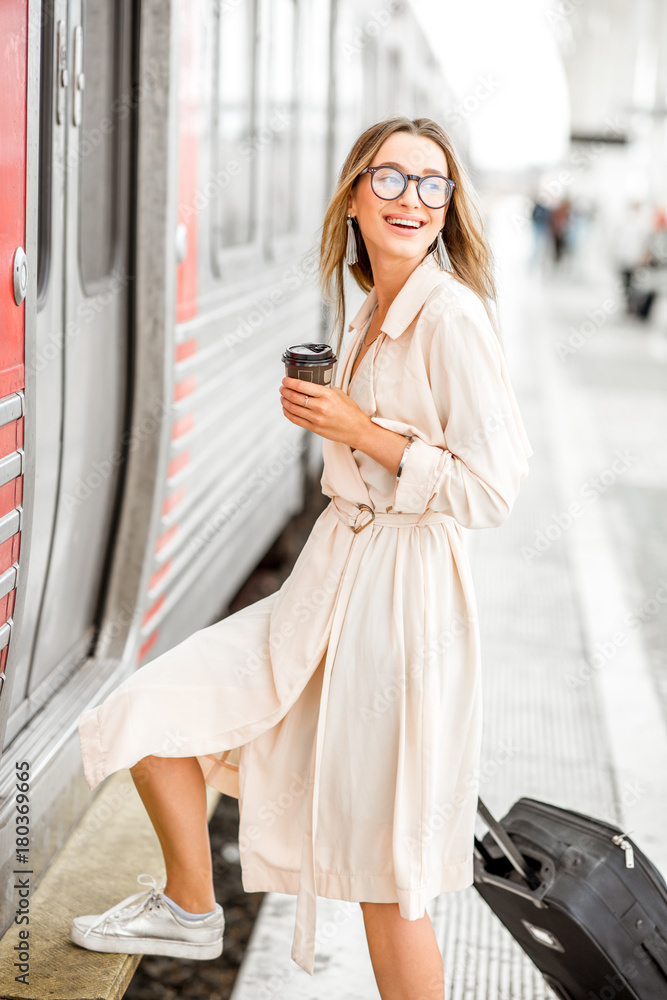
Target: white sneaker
[(145, 924)]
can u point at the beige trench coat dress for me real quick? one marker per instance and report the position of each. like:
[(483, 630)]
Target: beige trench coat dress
[(345, 710)]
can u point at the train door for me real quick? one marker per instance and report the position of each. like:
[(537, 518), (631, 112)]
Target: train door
[(80, 367), (13, 288)]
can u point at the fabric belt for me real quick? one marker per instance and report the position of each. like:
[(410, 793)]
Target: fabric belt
[(359, 515)]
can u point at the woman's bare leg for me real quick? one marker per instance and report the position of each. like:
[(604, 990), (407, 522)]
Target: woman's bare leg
[(404, 953), (174, 793)]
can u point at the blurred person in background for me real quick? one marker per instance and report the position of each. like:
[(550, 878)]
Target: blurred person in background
[(658, 243), (541, 220), (654, 275), (582, 216), (560, 223), (631, 252)]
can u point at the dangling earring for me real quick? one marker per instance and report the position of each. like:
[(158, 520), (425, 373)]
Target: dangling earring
[(351, 248), (441, 255)]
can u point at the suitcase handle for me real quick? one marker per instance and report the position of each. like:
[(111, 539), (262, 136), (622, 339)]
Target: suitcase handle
[(654, 945), (507, 846)]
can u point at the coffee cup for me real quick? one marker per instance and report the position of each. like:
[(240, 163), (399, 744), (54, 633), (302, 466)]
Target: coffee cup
[(310, 362)]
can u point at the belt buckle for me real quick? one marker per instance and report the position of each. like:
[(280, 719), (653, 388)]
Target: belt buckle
[(362, 526)]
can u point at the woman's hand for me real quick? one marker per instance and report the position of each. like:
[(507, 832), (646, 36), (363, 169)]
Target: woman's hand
[(330, 411)]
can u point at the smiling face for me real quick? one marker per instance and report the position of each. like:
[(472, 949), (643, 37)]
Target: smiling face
[(404, 228)]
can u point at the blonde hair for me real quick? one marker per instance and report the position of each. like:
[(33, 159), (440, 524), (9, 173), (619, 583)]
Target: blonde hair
[(463, 230)]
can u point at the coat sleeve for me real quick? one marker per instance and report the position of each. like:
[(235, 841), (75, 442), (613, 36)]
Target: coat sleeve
[(476, 476)]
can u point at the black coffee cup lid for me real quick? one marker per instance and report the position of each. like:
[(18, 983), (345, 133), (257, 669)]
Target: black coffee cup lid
[(309, 354)]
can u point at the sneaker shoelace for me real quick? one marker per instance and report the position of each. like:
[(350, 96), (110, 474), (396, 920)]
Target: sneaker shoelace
[(141, 900)]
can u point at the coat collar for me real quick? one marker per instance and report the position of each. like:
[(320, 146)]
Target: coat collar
[(412, 296)]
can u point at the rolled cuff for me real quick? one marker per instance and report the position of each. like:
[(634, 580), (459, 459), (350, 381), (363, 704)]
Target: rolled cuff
[(437, 478), (412, 489), (423, 463)]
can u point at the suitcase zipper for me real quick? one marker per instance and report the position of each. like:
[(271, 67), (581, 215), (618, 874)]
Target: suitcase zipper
[(619, 839), (646, 864)]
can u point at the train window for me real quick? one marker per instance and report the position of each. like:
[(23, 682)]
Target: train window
[(234, 154), (394, 78), (283, 180), (99, 142), (46, 113), (370, 64)]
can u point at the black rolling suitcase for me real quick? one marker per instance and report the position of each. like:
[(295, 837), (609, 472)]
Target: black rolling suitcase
[(582, 900)]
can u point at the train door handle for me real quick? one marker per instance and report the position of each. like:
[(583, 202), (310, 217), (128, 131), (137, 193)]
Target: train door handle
[(79, 78), (20, 275), (62, 75), (181, 242)]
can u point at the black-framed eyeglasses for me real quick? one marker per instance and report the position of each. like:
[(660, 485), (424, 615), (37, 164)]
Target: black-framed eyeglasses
[(434, 190)]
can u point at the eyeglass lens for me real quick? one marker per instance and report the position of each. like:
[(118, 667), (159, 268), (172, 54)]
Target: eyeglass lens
[(389, 183)]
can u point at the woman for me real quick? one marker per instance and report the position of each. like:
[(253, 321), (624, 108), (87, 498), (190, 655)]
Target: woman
[(352, 695)]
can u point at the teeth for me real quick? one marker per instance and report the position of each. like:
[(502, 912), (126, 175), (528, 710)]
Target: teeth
[(412, 223)]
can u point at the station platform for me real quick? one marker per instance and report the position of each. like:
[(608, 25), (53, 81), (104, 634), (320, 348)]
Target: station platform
[(572, 596)]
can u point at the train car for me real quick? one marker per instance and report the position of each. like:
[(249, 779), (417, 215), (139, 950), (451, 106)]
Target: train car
[(166, 167)]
